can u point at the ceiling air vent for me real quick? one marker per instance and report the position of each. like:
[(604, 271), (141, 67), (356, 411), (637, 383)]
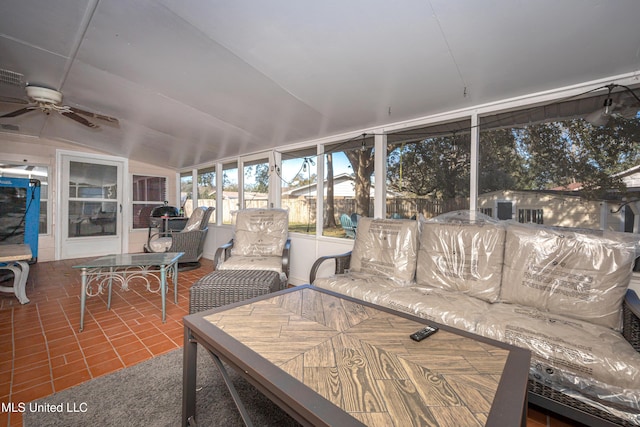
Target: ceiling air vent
[(11, 78)]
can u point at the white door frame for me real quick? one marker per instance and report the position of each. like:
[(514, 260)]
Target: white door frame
[(124, 198)]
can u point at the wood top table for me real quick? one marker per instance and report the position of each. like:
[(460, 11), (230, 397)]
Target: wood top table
[(328, 359), (16, 256), (15, 252)]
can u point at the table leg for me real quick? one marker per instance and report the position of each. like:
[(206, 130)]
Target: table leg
[(110, 283), (17, 275), (83, 297), (189, 368), (21, 290), (163, 291), (175, 282), (234, 393)]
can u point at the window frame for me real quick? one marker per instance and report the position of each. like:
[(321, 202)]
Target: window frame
[(133, 176)]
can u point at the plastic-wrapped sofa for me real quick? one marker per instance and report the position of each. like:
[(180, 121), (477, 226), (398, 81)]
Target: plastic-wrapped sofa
[(561, 293)]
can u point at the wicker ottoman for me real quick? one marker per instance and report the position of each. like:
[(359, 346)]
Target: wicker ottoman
[(228, 286)]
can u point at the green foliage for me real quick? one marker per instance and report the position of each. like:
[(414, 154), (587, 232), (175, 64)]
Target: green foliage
[(260, 175), (533, 157), (437, 167)]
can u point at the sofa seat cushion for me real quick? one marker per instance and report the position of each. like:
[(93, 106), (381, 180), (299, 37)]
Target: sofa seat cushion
[(462, 257), (364, 286), (387, 247), (449, 308), (567, 272), (592, 360)]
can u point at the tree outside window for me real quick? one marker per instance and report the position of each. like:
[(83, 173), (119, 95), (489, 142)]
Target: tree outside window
[(256, 184), (556, 159), (428, 170), (349, 185)]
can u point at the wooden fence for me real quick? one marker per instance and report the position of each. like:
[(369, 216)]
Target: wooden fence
[(303, 210)]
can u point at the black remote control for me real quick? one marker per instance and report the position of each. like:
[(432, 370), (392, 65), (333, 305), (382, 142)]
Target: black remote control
[(423, 333)]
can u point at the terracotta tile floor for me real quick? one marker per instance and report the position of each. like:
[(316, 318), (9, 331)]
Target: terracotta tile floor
[(42, 351)]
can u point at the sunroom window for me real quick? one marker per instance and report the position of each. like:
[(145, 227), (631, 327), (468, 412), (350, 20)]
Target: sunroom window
[(428, 170), (298, 181), (563, 160), (348, 185), (207, 189)]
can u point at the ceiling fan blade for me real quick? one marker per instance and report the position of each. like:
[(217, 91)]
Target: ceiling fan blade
[(13, 100), (79, 119), (95, 115), (19, 112)]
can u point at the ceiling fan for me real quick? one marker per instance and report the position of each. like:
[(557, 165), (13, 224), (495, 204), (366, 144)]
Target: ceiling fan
[(50, 100)]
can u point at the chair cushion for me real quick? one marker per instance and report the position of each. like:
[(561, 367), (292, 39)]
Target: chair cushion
[(161, 244), (195, 220), (579, 274), (239, 262), (388, 247), (260, 232), (463, 257)]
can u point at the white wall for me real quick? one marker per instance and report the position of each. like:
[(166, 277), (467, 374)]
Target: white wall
[(33, 150)]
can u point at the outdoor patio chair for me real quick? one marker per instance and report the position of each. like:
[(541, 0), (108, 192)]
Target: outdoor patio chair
[(347, 225), (189, 240), (354, 219), (260, 242)]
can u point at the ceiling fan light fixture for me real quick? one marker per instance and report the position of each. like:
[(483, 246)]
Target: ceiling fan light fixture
[(44, 95)]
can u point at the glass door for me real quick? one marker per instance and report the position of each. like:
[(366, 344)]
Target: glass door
[(91, 207)]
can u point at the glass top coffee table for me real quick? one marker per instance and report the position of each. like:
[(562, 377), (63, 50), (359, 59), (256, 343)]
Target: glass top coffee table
[(328, 359), (123, 268)]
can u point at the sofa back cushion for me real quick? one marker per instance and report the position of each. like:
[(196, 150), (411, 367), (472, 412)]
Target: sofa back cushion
[(575, 273), (388, 247), (462, 256), (260, 232)]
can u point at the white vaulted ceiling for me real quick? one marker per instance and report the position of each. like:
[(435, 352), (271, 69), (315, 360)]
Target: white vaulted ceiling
[(196, 81)]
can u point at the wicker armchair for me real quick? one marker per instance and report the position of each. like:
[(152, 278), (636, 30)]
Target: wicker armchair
[(190, 240)]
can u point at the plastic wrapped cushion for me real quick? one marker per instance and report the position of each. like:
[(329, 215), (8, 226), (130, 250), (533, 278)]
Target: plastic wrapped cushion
[(193, 223), (161, 244), (364, 286), (449, 308), (462, 255), (272, 263), (387, 247), (593, 360), (571, 273), (260, 232)]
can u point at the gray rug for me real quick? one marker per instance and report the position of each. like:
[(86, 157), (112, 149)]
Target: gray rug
[(150, 394)]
